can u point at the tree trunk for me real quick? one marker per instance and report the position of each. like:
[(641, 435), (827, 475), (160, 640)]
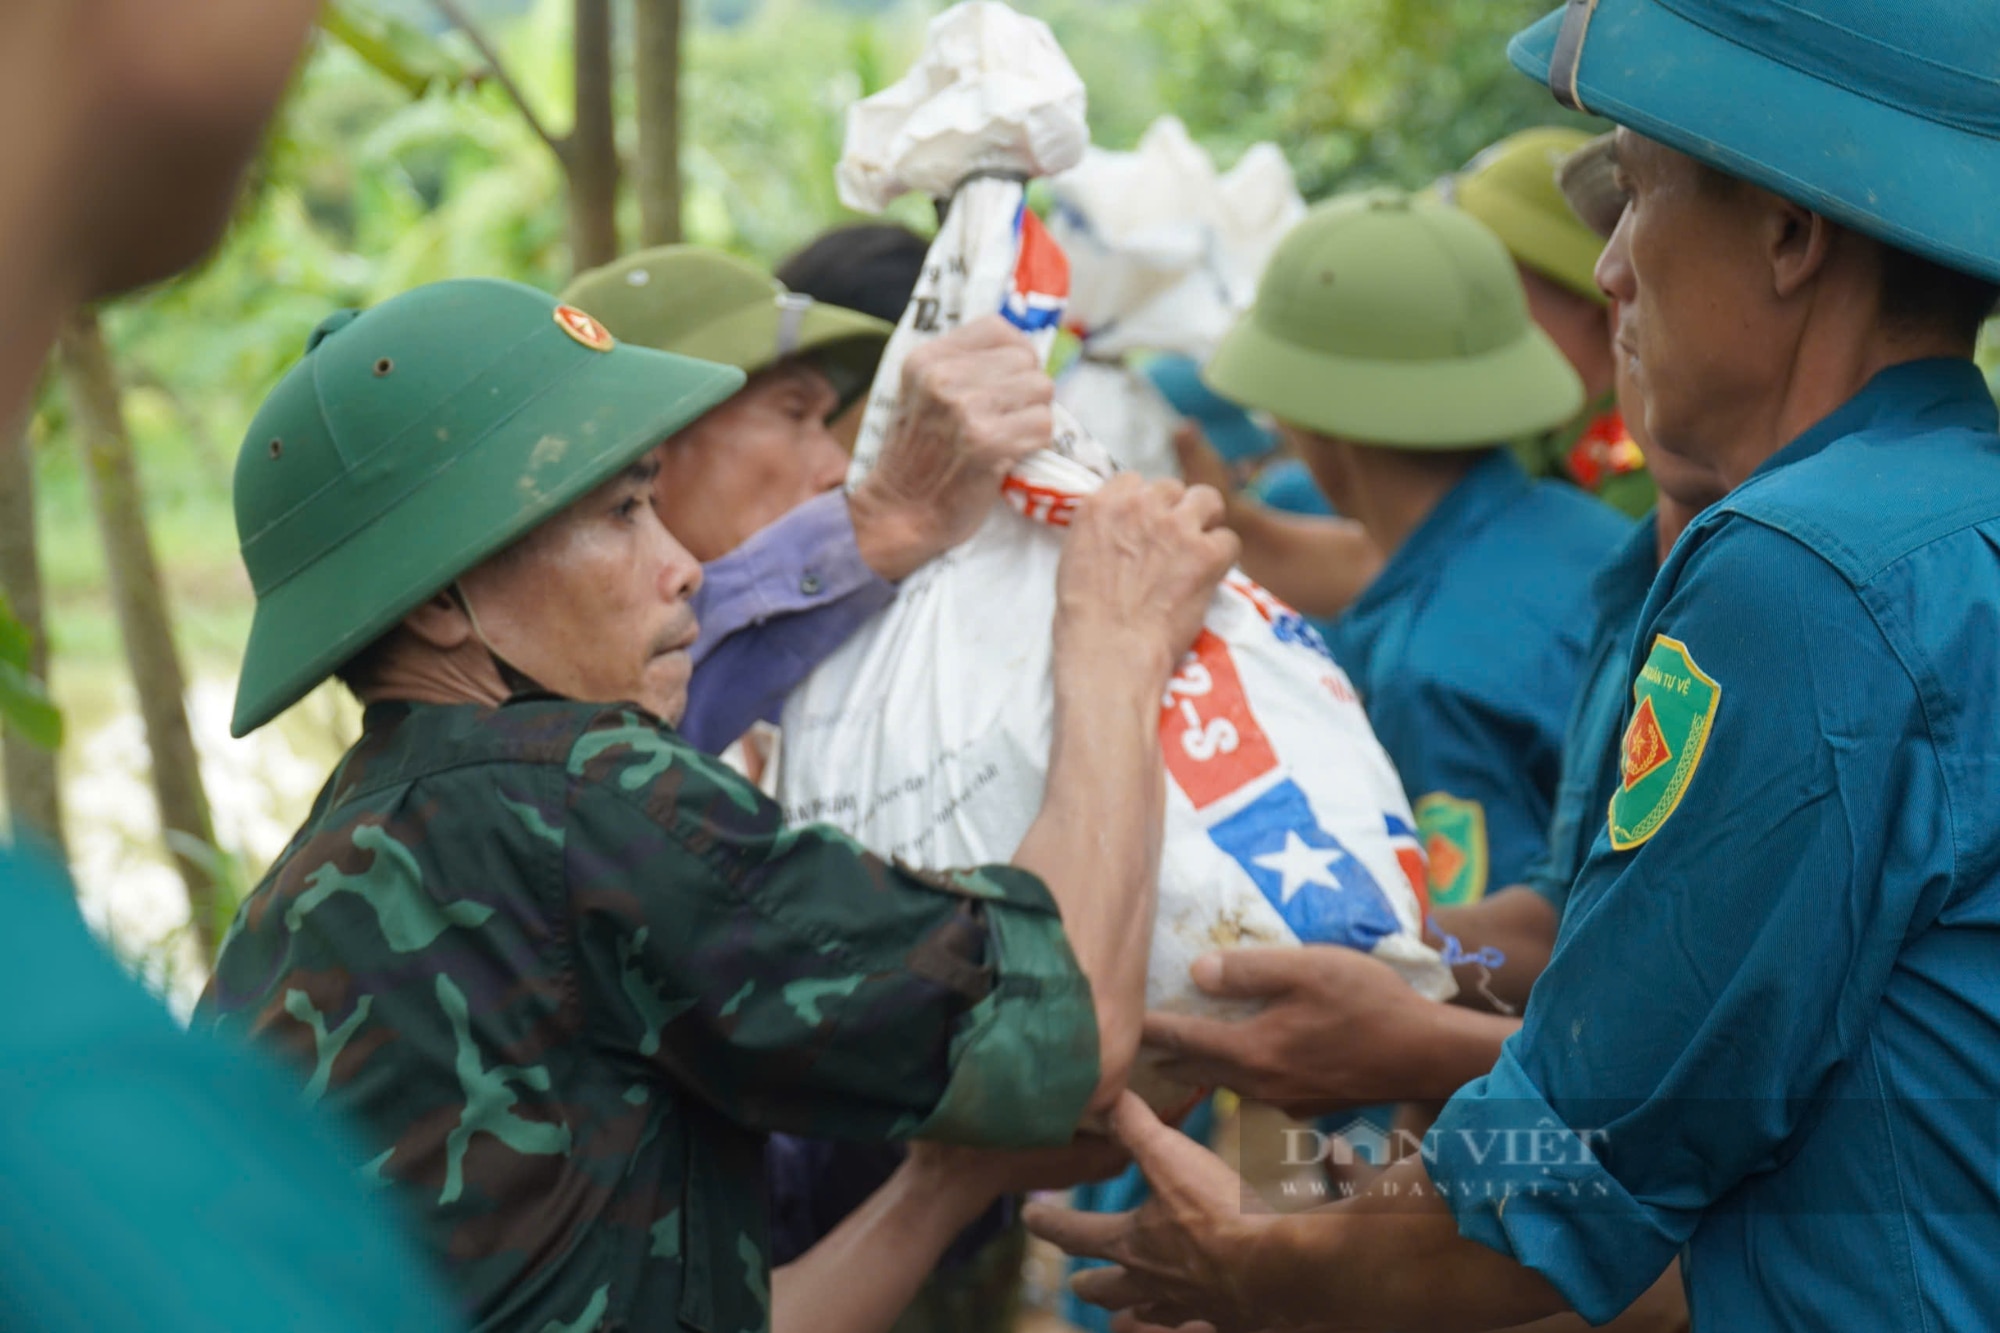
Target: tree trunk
[(143, 621), (656, 34), (34, 797), (590, 154)]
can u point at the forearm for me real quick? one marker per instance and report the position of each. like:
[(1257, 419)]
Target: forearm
[(892, 539), (1435, 1051), (1516, 921), (1096, 843), (1389, 1258), (867, 1270), (1663, 1309), (1321, 566), (1455, 1046)]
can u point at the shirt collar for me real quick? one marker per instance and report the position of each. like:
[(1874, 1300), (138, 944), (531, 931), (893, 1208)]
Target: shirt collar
[(1493, 484), (1938, 393), (386, 715)]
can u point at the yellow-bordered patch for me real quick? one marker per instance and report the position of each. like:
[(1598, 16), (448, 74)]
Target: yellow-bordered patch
[(1453, 833), (1676, 703)]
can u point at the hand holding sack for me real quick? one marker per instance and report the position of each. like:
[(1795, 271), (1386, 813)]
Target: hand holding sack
[(927, 735)]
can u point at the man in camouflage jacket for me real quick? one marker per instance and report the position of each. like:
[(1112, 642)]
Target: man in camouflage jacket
[(566, 969)]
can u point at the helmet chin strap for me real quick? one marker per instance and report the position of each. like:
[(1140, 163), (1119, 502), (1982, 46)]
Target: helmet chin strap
[(517, 681)]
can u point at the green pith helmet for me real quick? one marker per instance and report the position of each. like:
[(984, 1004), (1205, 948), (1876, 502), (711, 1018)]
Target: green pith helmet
[(1511, 187), (1391, 320), (416, 439), (701, 302)]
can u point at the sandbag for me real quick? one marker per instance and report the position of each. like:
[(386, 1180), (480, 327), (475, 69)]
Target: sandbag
[(927, 735), (1165, 253)]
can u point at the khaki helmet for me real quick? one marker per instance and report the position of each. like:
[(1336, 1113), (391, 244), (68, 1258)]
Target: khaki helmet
[(1400, 321), (1511, 187), (695, 301)]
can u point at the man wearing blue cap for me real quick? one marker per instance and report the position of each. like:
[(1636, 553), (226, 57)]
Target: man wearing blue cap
[(1221, 444), (1244, 446), (1767, 1038)]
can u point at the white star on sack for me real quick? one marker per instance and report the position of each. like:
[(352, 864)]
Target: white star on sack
[(1301, 864)]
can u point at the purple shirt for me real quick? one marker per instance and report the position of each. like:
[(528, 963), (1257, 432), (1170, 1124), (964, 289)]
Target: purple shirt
[(772, 610)]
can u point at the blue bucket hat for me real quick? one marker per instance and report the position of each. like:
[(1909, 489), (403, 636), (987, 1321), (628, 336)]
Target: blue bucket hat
[(1235, 435), (1884, 117)]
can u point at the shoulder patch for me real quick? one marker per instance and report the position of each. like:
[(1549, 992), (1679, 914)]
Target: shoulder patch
[(1676, 702), (1453, 834)]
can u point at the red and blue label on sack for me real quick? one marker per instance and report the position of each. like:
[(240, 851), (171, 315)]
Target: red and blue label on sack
[(1410, 856), (1215, 749), (1286, 624), (1034, 304), (1040, 289)]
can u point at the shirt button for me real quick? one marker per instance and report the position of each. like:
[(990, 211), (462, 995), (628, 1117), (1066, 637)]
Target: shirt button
[(809, 585)]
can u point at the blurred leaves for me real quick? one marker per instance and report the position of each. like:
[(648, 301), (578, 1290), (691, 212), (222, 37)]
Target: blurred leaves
[(224, 870), (413, 60), (395, 163), (1357, 92), (24, 704)]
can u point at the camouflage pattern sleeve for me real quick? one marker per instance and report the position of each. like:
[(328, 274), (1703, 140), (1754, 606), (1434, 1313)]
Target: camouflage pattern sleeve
[(798, 983)]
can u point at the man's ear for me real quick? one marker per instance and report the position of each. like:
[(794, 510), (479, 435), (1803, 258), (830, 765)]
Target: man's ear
[(440, 622), (1799, 243)]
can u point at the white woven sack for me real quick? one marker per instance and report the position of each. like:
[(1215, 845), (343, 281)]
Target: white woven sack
[(927, 735)]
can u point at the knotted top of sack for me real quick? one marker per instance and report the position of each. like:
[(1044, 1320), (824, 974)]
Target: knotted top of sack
[(992, 92), (1164, 251)]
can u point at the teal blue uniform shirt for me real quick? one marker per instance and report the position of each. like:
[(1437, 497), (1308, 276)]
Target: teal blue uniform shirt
[(1590, 741), (1466, 650), (161, 1181), (1770, 1032)]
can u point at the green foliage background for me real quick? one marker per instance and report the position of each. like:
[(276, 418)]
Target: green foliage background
[(24, 703), (395, 163), (374, 183)]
